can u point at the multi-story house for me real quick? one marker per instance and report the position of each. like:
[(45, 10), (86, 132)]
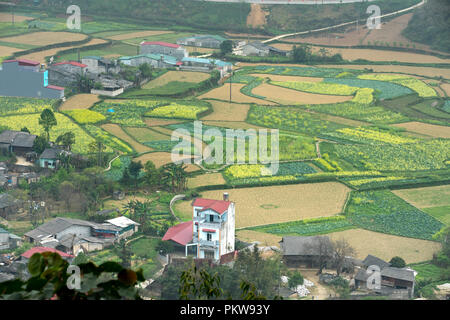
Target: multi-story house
[(165, 48), (211, 232)]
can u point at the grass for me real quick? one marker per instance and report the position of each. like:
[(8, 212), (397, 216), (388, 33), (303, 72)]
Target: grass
[(426, 197), (120, 49), (440, 213)]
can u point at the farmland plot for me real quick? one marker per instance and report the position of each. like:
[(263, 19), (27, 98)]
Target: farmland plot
[(117, 131), (293, 97), (45, 38), (223, 93), (182, 76), (426, 197), (276, 204), (426, 129), (387, 246), (162, 158), (16, 105), (80, 101), (225, 111), (206, 179)]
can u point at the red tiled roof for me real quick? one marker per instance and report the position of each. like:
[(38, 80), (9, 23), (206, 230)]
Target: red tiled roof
[(73, 63), (161, 43), (54, 87), (219, 206), (29, 253), (24, 62), (181, 233)]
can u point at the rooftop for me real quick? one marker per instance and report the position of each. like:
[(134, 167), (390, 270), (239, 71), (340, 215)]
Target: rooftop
[(73, 63), (23, 62), (55, 226), (372, 260), (160, 43), (297, 245), (122, 222), (28, 254), (219, 206), (17, 138), (181, 233)]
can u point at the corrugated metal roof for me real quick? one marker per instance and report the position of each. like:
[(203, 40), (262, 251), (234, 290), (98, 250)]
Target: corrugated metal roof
[(298, 246), (122, 222)]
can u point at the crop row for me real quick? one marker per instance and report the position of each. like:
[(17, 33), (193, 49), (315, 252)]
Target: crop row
[(13, 105), (317, 87), (370, 136), (108, 139), (178, 111), (83, 116)]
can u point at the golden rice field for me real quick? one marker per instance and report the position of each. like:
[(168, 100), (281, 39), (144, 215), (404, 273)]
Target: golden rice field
[(265, 239), (387, 246), (426, 197), (80, 101), (156, 122), (182, 76), (206, 179), (290, 96), (138, 34), (223, 93), (7, 51), (383, 55), (446, 88), (275, 204), (432, 130), (45, 38), (117, 131), (6, 17), (225, 111), (162, 158), (423, 71), (41, 55)]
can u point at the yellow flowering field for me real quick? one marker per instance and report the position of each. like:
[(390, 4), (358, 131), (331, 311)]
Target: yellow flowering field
[(175, 110), (85, 116)]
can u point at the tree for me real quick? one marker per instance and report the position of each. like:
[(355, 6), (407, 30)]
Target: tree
[(175, 176), (341, 250), (98, 148), (67, 139), (295, 279), (226, 47), (324, 252), (124, 253), (146, 70), (152, 175), (40, 144), (25, 129), (135, 169), (84, 84), (47, 121), (397, 262), (301, 53)]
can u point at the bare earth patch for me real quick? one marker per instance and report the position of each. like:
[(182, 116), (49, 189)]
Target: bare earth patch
[(41, 55), (426, 197), (423, 71), (138, 34), (207, 179), (155, 122), (446, 87), (283, 203), (227, 111), (119, 133), (278, 77), (182, 76), (266, 239), (45, 38), (387, 246), (257, 16), (162, 158), (383, 55), (6, 17), (290, 96), (427, 129), (8, 51), (233, 124), (80, 101), (223, 93)]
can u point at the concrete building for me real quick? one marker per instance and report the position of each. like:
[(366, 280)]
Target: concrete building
[(66, 73), (154, 60), (26, 78), (165, 48), (204, 41), (50, 158), (206, 65), (9, 240), (211, 232), (306, 252), (97, 65), (257, 48)]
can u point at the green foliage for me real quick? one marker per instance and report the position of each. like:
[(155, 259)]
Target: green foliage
[(40, 144), (13, 105), (397, 262), (382, 211), (295, 279), (49, 279), (47, 121)]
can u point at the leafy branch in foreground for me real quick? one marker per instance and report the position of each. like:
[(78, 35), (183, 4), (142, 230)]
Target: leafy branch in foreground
[(49, 279)]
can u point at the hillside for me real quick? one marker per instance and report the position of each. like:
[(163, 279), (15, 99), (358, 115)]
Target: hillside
[(222, 16), (429, 25)]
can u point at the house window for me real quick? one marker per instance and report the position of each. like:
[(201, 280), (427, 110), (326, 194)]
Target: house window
[(209, 236), (211, 218), (209, 254)]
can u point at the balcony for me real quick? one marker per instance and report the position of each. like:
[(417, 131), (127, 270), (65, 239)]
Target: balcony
[(206, 243)]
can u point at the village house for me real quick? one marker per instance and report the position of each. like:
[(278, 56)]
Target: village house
[(8, 205), (26, 78), (9, 240), (154, 60), (75, 235), (305, 251), (66, 73), (25, 257), (97, 65), (160, 47), (206, 65), (257, 48), (398, 282), (50, 158), (211, 233), (204, 41), (17, 142)]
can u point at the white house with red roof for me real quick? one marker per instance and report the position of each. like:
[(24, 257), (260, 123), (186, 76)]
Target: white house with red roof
[(211, 231), (164, 48), (26, 78)]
